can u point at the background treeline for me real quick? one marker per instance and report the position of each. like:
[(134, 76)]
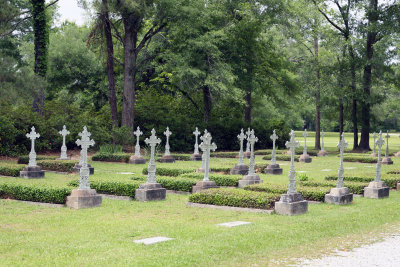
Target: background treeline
[(220, 65)]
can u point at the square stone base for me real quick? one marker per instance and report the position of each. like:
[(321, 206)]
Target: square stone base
[(305, 158), (339, 196), (32, 172), (195, 157), (273, 169), (167, 159), (387, 161), (322, 153), (291, 204), (80, 199), (202, 185), (240, 169), (77, 168), (374, 155), (247, 155), (150, 192), (376, 190), (397, 154), (249, 180), (137, 160), (398, 187)]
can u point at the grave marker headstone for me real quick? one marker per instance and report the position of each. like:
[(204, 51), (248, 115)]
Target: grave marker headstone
[(203, 156), (291, 203), (167, 158), (251, 177), (322, 152), (377, 188), (137, 157), (64, 132), (32, 170), (84, 197), (247, 153), (273, 167), (340, 195), (386, 159), (151, 190), (305, 157), (196, 154), (240, 168)]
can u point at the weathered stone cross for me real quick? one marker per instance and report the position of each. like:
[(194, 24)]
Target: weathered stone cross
[(387, 144), (380, 142), (252, 139), (248, 142), (152, 141), (137, 133), (305, 134), (341, 145), (32, 155), (273, 137), (375, 143), (84, 143), (207, 146), (196, 145), (167, 133), (64, 133), (292, 145), (322, 137), (203, 156), (241, 137)]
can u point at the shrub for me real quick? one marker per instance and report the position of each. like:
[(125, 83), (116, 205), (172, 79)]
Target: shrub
[(34, 193), (219, 179), (57, 165), (119, 188), (303, 177), (354, 187), (167, 172), (394, 172), (361, 159), (110, 149), (225, 170), (25, 159), (223, 154), (10, 169), (121, 157), (235, 197), (281, 157), (390, 181), (176, 183), (184, 157)]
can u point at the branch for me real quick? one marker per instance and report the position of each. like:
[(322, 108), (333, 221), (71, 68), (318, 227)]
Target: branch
[(117, 34), (327, 18), (149, 34)]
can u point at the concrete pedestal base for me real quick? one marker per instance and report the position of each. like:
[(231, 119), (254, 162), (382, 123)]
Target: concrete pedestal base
[(137, 160), (322, 153), (398, 187), (339, 196), (167, 159), (374, 155), (249, 179), (246, 155), (397, 154), (387, 161), (202, 185), (305, 158), (195, 157), (291, 204), (80, 199), (32, 172), (240, 169), (77, 168), (376, 190), (150, 192), (201, 170), (273, 169)]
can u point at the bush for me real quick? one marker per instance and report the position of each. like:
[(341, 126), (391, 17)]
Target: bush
[(361, 159), (176, 183), (354, 187), (119, 188), (225, 170), (57, 165), (394, 172), (35, 193), (25, 159), (184, 157), (281, 157), (167, 172), (10, 169), (121, 157), (110, 149), (303, 177), (235, 197), (390, 181), (219, 179), (228, 155)]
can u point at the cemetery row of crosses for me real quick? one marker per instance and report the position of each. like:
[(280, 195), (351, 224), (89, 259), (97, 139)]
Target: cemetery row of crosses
[(290, 203)]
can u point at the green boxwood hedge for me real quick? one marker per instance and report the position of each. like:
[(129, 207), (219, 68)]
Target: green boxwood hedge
[(120, 157), (219, 179), (281, 157), (224, 154), (394, 172), (390, 181), (167, 172), (57, 165), (25, 159), (184, 157), (10, 169), (235, 197), (119, 188), (225, 170), (35, 193), (354, 187), (176, 183), (360, 159)]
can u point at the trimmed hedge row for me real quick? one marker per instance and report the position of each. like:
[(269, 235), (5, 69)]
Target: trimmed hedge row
[(360, 159), (219, 179), (390, 181), (354, 187), (35, 193), (184, 157), (120, 157), (57, 165), (118, 188), (25, 159), (224, 154), (281, 157), (10, 169), (176, 183), (235, 197), (167, 171), (225, 170), (394, 172)]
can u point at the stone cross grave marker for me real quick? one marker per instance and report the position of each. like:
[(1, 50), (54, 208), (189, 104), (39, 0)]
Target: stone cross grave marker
[(273, 137), (292, 145), (305, 134), (387, 144), (152, 142), (241, 137), (196, 145), (322, 137), (248, 142), (252, 139), (341, 145), (32, 155), (380, 142), (137, 133), (374, 144), (84, 143), (206, 146), (64, 132), (167, 134), (203, 156)]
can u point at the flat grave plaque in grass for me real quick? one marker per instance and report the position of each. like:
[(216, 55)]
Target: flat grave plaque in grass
[(152, 240), (233, 224)]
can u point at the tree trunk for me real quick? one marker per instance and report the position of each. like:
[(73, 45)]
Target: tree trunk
[(355, 129), (41, 40), (110, 64), (317, 98), (354, 93), (207, 102), (130, 42), (247, 112)]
